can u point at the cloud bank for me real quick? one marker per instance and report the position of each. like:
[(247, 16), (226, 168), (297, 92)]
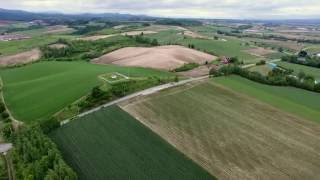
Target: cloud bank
[(239, 9)]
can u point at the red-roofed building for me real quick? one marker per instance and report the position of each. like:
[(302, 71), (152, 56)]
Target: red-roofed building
[(225, 60)]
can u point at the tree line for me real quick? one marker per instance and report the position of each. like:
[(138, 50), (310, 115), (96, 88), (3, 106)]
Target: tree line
[(87, 50), (303, 58), (36, 157), (277, 77)]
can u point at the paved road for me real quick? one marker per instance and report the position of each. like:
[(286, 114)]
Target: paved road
[(141, 93)]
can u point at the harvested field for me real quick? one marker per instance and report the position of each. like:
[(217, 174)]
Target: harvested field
[(197, 72), (135, 33), (261, 52), (162, 57), (96, 37), (58, 29), (20, 58), (58, 46), (230, 134)]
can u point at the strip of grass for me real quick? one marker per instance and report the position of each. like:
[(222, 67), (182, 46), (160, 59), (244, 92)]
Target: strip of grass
[(296, 101), (111, 144), (37, 91)]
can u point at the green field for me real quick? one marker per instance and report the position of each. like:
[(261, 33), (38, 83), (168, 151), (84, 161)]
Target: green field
[(37, 91), (231, 135), (12, 47), (111, 144), (296, 101), (297, 68), (263, 69), (231, 47)]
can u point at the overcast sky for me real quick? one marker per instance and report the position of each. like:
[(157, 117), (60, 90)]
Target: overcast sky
[(240, 9)]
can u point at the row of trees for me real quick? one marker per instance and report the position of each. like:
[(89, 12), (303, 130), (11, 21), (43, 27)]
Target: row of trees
[(119, 89), (276, 77), (304, 60), (36, 157), (87, 50)]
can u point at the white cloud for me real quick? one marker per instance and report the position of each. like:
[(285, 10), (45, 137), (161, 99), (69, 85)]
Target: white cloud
[(266, 9)]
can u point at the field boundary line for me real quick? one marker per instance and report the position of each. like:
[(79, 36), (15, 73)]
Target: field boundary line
[(137, 94), (5, 105)]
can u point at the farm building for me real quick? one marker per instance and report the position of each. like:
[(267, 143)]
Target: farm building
[(272, 65), (225, 60)]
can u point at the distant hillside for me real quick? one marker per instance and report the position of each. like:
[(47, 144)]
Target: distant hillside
[(18, 15)]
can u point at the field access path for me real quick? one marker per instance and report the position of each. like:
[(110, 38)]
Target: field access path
[(134, 95)]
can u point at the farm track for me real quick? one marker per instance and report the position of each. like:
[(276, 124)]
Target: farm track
[(137, 94)]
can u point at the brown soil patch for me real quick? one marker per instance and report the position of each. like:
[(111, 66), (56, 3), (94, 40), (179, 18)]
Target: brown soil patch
[(162, 57), (197, 72), (20, 58), (232, 135), (58, 29), (97, 37), (135, 33), (58, 46), (260, 51), (13, 37), (194, 35)]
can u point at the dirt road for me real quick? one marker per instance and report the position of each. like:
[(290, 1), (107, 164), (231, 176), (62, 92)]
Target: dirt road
[(141, 93)]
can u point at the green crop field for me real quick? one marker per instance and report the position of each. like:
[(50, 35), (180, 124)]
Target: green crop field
[(297, 68), (111, 144), (230, 47), (12, 47), (231, 135), (37, 91), (263, 69), (296, 101)]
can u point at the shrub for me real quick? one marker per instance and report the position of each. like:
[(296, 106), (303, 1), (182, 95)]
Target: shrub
[(5, 115), (262, 62), (2, 107), (214, 72)]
